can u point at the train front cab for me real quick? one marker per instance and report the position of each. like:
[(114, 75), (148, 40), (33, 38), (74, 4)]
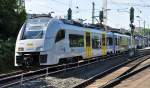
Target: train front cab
[(29, 48)]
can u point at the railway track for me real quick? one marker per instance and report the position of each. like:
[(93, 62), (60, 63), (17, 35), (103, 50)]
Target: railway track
[(115, 77), (10, 74), (119, 79), (60, 71), (13, 79), (75, 78), (139, 80), (72, 79)]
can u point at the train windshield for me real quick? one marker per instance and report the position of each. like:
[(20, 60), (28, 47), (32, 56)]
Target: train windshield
[(35, 32), (33, 35), (34, 28)]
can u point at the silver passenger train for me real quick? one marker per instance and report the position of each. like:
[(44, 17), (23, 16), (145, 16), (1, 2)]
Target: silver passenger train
[(49, 41)]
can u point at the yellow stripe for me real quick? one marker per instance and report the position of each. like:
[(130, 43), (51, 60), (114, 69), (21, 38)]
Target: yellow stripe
[(88, 49), (104, 44)]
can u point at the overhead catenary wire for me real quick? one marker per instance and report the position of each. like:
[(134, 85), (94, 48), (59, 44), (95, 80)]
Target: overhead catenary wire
[(130, 4), (62, 3)]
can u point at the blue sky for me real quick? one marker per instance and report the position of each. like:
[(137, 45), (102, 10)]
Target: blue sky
[(118, 16)]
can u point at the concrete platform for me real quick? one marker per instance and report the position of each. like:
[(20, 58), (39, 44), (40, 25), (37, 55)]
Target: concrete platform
[(145, 48), (140, 80)]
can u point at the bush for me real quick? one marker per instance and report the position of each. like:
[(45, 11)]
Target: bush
[(7, 49)]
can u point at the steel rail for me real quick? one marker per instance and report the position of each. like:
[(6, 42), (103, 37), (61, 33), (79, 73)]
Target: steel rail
[(92, 79), (51, 70), (10, 74), (119, 79)]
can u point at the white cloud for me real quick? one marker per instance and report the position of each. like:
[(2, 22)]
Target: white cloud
[(37, 6), (60, 8), (45, 6), (121, 1)]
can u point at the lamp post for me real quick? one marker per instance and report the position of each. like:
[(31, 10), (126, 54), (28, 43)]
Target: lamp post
[(144, 28), (93, 12), (148, 36), (139, 21)]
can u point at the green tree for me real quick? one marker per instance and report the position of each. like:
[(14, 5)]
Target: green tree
[(12, 16), (145, 31)]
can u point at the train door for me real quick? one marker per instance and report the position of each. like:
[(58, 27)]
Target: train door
[(104, 52), (88, 44), (114, 43)]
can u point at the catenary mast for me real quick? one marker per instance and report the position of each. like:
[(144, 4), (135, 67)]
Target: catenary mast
[(104, 8)]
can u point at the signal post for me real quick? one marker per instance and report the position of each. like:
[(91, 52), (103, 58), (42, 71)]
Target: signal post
[(132, 51)]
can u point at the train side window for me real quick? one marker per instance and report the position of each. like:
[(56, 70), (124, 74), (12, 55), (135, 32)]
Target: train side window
[(110, 41), (76, 40), (60, 35), (95, 42), (116, 41), (120, 40), (129, 41), (103, 40)]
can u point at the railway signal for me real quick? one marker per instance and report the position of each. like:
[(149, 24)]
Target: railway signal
[(132, 20), (132, 28), (132, 51), (101, 16), (69, 14), (131, 14)]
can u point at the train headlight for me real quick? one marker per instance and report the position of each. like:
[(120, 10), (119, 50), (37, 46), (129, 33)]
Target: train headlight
[(20, 49), (39, 48)]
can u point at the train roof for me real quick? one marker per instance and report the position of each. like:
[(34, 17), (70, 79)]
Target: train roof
[(72, 25), (75, 24), (69, 22), (92, 28)]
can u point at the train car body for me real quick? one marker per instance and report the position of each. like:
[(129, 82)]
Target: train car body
[(48, 41), (110, 43), (141, 41)]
